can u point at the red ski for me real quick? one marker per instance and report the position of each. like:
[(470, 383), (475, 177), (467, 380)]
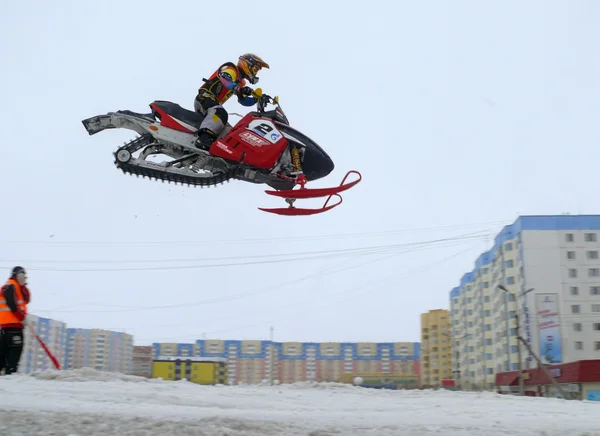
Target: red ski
[(291, 195)]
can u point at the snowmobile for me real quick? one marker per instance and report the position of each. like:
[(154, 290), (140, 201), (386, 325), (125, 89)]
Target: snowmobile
[(261, 148)]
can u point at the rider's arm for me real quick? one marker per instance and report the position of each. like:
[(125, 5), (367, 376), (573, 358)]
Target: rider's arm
[(246, 100), (228, 78)]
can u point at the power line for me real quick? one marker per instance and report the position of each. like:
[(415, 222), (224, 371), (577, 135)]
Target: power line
[(310, 256), (254, 256), (251, 240), (353, 291), (359, 290), (225, 298), (356, 291)]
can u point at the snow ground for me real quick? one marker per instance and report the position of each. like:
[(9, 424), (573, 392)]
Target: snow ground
[(88, 403)]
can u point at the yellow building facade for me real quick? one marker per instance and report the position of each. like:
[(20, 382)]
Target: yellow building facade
[(204, 371), (436, 348)]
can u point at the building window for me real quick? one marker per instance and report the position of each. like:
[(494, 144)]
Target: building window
[(590, 237), (569, 237), (509, 263), (593, 272), (574, 290), (597, 326), (579, 345), (592, 254), (577, 327), (572, 273), (571, 255), (575, 308), (595, 308), (508, 246), (510, 280), (594, 290)]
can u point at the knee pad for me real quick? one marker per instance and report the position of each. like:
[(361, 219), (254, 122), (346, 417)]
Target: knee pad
[(222, 114)]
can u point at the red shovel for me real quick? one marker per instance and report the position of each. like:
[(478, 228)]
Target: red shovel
[(50, 355)]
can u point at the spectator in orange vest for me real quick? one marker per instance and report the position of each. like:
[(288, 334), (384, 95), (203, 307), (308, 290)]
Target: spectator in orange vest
[(14, 298)]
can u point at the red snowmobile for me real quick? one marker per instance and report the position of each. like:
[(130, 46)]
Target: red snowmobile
[(260, 148)]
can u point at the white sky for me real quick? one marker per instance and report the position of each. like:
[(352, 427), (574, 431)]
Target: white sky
[(459, 117)]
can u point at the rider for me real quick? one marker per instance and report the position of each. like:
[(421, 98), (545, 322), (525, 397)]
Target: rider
[(229, 79)]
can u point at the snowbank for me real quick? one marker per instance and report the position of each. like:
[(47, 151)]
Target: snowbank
[(86, 375), (115, 404)]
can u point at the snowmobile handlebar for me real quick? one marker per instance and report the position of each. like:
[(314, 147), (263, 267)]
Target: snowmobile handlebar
[(263, 99)]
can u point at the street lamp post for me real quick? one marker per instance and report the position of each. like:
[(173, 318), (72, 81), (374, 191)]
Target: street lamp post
[(457, 371), (535, 356), (518, 332)]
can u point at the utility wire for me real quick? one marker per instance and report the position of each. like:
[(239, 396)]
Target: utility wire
[(309, 256), (224, 298), (351, 293), (252, 240)]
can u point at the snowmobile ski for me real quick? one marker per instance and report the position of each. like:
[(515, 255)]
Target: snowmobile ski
[(291, 195)]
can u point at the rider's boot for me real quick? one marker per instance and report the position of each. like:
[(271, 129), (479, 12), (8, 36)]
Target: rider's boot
[(205, 139)]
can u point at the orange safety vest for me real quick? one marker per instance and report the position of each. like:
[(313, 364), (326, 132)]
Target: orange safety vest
[(6, 315)]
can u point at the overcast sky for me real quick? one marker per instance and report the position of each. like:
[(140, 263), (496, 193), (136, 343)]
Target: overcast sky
[(460, 115)]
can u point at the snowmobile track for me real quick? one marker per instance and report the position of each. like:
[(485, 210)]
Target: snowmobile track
[(157, 174)]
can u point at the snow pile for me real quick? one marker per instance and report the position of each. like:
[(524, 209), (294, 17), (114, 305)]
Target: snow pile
[(86, 375), (116, 404)]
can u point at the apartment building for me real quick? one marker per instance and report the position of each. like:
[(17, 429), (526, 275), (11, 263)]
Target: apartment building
[(143, 357), (288, 362), (550, 268), (103, 350), (436, 353), (54, 334)]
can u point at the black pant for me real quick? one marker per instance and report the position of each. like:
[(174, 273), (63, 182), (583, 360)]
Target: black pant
[(11, 347), (215, 115)]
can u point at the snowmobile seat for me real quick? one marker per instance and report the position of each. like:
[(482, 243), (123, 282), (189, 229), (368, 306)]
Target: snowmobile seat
[(176, 111)]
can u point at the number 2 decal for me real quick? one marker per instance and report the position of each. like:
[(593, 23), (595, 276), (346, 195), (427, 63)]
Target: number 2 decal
[(266, 129)]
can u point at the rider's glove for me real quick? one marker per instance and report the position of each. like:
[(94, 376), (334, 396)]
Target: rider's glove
[(246, 90)]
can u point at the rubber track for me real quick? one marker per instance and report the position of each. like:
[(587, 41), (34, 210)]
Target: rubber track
[(182, 179)]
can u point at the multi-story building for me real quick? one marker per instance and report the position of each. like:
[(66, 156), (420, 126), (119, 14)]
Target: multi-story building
[(550, 268), (54, 334), (143, 356), (436, 353), (175, 349), (103, 350), (289, 362)]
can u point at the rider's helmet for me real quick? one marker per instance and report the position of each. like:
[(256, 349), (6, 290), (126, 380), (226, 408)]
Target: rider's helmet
[(249, 65)]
